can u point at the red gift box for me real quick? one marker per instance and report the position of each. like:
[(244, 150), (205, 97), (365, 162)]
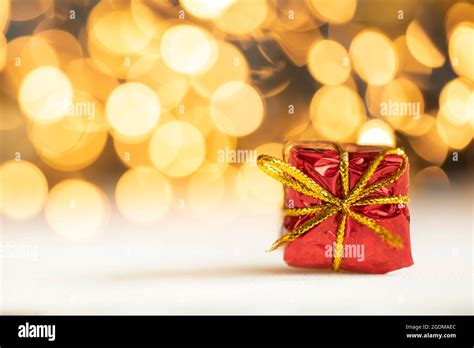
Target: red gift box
[(364, 224)]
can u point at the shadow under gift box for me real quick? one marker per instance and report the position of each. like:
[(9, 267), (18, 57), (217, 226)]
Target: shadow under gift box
[(363, 250)]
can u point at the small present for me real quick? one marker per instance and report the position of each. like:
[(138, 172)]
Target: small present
[(346, 206)]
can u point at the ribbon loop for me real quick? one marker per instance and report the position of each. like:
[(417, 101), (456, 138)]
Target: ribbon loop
[(359, 192), (294, 178)]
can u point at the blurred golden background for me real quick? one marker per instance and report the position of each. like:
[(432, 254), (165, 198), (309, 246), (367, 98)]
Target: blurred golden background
[(159, 107)]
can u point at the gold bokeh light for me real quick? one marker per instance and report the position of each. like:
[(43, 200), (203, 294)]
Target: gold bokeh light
[(143, 195), (430, 146), (257, 191), (237, 108), (206, 9), (64, 44), (45, 102), (456, 101), (374, 57), (170, 86), (216, 142), (156, 100), (177, 148), (116, 30), (242, 17), (454, 135), (188, 49), (334, 11), (73, 142), (291, 15), (457, 13), (133, 110), (431, 177), (418, 126), (152, 23), (421, 46), (4, 14), (231, 65), (462, 58), (376, 132), (399, 103), (26, 10), (23, 190), (113, 64), (133, 154), (199, 116), (408, 63), (328, 62), (76, 209), (88, 75), (296, 44), (213, 188), (11, 118), (336, 112), (24, 54)]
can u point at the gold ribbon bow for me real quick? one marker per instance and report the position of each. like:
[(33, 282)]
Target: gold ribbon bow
[(300, 182)]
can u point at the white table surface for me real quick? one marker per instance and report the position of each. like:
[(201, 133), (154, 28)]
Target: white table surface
[(184, 266)]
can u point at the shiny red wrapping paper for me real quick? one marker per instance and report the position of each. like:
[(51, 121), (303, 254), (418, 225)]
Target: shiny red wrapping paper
[(364, 251)]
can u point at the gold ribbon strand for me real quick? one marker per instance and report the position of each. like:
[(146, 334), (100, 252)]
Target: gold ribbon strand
[(331, 205)]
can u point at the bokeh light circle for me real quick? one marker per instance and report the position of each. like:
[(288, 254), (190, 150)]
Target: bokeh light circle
[(4, 14), (421, 46), (177, 148), (45, 94), (374, 57), (65, 46), (335, 11), (336, 112), (213, 188), (328, 62), (237, 108), (242, 17), (133, 154), (29, 9), (169, 86), (431, 178), (116, 30), (400, 103), (88, 75), (231, 65), (259, 192), (456, 101), (25, 54), (430, 146), (23, 190), (461, 51), (457, 13), (188, 49), (143, 195), (133, 110), (408, 63), (206, 9), (454, 135), (76, 209), (376, 132)]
